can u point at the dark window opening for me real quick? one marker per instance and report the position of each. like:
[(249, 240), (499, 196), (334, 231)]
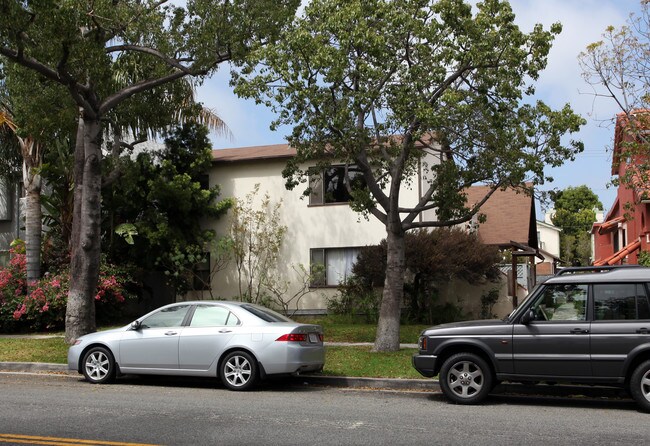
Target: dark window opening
[(331, 185), (201, 274)]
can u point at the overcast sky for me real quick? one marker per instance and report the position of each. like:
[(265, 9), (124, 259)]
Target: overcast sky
[(583, 22)]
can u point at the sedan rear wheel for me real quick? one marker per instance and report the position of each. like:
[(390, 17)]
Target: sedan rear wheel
[(640, 385), (238, 371), (99, 365), (465, 378)]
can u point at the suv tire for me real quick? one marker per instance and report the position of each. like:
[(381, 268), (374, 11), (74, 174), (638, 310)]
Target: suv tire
[(466, 378), (640, 385)]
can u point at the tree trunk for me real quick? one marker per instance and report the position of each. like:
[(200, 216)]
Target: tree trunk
[(86, 246), (33, 229), (32, 161), (387, 339)]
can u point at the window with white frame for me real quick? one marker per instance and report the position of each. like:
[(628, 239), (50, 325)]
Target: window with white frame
[(332, 266), (331, 185), (5, 201)]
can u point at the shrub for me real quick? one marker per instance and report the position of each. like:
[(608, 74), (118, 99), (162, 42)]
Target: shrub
[(433, 258), (356, 300), (42, 304)]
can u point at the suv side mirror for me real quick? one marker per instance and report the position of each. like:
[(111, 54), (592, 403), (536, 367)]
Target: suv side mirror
[(135, 325), (527, 317)]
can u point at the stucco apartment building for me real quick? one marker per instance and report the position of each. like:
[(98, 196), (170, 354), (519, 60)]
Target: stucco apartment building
[(320, 228)]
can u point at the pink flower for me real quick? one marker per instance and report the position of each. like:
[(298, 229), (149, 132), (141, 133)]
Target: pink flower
[(19, 312), (45, 307), (56, 283)]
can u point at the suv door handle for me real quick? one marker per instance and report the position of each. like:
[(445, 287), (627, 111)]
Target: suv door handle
[(642, 330), (579, 331)]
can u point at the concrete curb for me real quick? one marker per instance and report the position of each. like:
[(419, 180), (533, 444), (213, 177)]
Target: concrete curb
[(421, 385), (332, 381), (370, 383), (32, 367)]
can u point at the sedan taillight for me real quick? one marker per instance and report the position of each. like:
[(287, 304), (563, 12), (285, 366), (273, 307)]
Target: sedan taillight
[(293, 337)]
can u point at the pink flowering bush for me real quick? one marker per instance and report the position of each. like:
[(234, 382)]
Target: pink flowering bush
[(41, 305)]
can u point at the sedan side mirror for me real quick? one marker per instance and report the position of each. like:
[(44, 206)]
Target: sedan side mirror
[(135, 325), (528, 317)]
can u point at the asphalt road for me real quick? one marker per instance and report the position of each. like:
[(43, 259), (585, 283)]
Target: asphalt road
[(63, 409)]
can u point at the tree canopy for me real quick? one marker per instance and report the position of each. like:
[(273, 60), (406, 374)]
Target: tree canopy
[(104, 53), (616, 67), (575, 213), (384, 85), (159, 204)]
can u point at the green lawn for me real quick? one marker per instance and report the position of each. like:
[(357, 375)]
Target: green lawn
[(53, 350), (341, 330)]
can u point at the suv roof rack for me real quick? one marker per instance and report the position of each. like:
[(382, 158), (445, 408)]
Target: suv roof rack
[(593, 269)]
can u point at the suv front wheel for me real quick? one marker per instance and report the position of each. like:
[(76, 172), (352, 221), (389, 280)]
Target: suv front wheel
[(465, 378), (640, 385)]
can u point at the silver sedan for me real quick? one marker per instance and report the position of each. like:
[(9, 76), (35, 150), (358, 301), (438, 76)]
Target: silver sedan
[(239, 342)]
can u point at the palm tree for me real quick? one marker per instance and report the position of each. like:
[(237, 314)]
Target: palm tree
[(32, 156)]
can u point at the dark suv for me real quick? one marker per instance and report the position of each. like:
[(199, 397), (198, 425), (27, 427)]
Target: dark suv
[(579, 326)]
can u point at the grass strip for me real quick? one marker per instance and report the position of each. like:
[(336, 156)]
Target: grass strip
[(362, 362), (53, 350), (337, 330), (340, 360)]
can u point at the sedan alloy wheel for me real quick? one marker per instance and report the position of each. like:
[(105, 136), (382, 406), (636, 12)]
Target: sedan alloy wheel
[(99, 365), (238, 371)]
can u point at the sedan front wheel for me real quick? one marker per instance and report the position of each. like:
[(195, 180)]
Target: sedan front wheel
[(99, 365), (238, 371)]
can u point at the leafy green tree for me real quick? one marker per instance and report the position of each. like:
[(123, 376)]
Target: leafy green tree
[(575, 213), (153, 215), (39, 116), (616, 67), (380, 84), (104, 53), (257, 237), (9, 149)]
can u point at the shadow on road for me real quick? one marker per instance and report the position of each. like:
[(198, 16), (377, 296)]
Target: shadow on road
[(274, 384), (559, 398)]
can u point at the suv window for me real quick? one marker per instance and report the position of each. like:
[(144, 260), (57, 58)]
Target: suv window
[(561, 302), (620, 301)]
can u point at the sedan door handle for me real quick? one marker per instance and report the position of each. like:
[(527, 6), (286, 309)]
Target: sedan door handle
[(171, 333), (225, 331), (579, 331), (642, 330)]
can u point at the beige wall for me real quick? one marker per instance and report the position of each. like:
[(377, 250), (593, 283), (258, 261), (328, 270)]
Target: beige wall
[(326, 226), (468, 297), (549, 239)]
